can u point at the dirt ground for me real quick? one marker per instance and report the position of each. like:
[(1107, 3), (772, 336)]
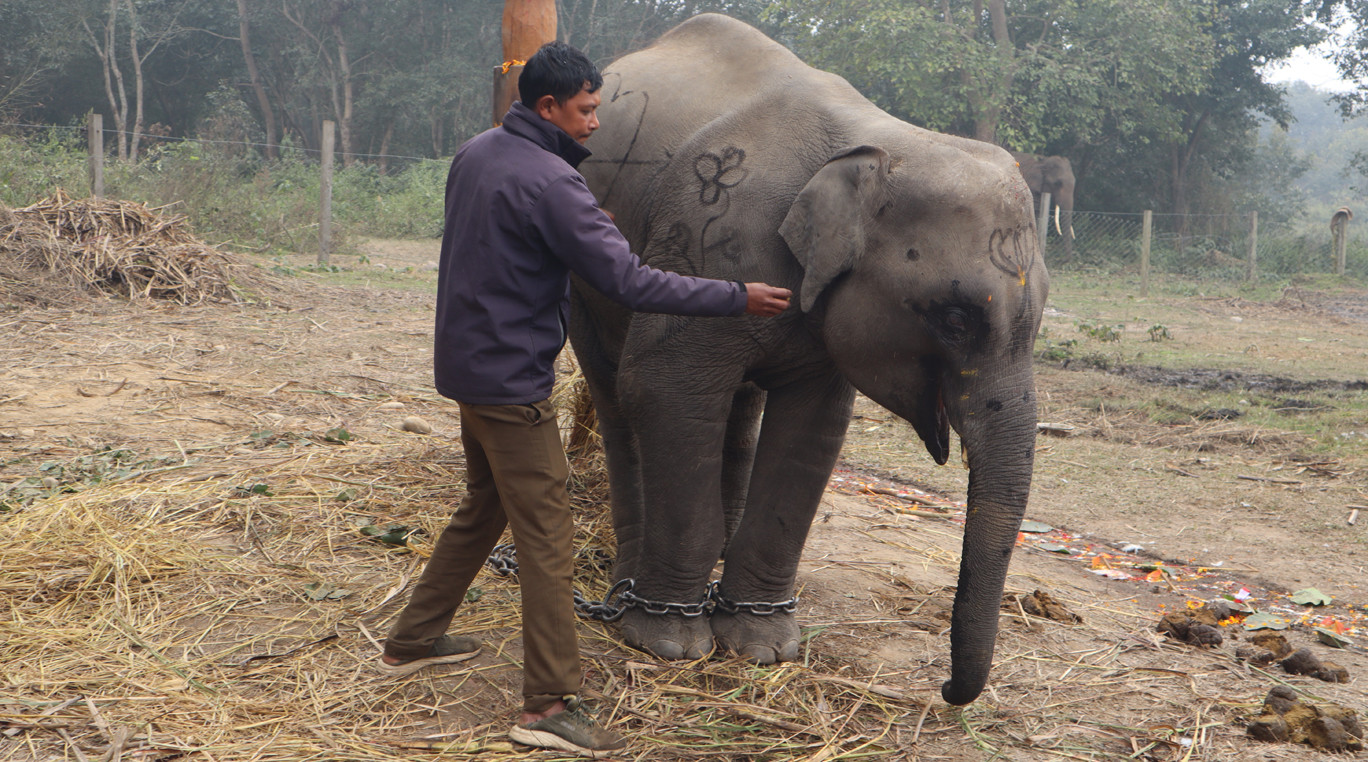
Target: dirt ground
[(207, 464)]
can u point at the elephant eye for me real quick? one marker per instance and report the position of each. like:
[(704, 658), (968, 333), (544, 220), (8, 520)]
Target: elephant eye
[(955, 320)]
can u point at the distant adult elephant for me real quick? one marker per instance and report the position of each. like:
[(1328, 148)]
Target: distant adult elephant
[(917, 280), (1053, 175)]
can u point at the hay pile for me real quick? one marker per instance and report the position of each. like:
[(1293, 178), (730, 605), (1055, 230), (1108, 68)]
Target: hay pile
[(62, 246)]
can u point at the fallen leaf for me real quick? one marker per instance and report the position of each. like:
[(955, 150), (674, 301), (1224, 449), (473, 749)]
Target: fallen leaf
[(1310, 596), (1035, 527), (1331, 638), (1264, 622)]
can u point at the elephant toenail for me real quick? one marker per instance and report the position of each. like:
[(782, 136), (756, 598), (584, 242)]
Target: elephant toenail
[(668, 650), (758, 653)]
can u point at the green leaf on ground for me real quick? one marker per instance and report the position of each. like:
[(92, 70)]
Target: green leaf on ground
[(1331, 638), (394, 534), (1037, 527), (1264, 622), (1310, 596), (324, 591), (338, 435)]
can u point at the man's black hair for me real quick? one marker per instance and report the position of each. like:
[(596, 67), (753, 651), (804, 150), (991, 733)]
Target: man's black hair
[(559, 70)]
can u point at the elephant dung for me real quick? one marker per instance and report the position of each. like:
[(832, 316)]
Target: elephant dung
[(1182, 627), (1286, 718), (1255, 654), (1046, 606), (1303, 662), (1275, 642)]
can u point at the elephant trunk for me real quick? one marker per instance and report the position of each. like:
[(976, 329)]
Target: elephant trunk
[(1001, 452)]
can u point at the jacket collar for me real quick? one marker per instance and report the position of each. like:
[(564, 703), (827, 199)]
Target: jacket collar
[(526, 123)]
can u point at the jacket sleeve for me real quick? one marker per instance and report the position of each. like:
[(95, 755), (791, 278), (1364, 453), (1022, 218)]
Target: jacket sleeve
[(579, 233)]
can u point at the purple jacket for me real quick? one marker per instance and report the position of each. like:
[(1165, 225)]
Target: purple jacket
[(519, 220)]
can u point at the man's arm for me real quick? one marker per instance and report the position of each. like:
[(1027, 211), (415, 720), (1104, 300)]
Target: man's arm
[(587, 241)]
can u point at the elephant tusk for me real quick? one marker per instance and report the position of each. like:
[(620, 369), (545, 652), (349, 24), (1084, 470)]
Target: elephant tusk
[(964, 455), (1057, 230)]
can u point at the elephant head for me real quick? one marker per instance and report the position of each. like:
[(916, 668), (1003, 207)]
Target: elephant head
[(922, 272), (1053, 175)]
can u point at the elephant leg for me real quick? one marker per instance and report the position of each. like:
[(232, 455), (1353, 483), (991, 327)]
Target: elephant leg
[(738, 455), (680, 433), (598, 362), (800, 439)]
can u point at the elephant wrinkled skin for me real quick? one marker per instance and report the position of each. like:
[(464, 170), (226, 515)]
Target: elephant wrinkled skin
[(917, 280)]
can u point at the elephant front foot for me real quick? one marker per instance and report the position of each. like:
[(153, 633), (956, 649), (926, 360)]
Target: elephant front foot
[(761, 639), (667, 636)]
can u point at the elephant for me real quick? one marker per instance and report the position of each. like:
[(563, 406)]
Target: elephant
[(1053, 175), (917, 280)]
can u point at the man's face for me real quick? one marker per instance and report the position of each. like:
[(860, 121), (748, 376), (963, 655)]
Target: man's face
[(578, 117)]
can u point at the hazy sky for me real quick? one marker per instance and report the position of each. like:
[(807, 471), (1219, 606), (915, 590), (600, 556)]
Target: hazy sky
[(1310, 67)]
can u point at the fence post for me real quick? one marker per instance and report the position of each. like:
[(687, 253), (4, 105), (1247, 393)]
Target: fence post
[(1339, 228), (1043, 223), (325, 194), (95, 138), (1253, 247), (1146, 229)]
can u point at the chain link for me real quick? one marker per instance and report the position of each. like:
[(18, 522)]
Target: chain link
[(503, 560), (605, 610), (723, 603), (660, 608)]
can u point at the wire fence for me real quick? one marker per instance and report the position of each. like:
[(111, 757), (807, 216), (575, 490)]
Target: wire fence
[(382, 197), (1203, 246)]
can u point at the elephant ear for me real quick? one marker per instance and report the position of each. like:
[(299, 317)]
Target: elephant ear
[(825, 226)]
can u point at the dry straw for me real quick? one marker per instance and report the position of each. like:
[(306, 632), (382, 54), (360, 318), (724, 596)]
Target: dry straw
[(222, 603), (115, 247)]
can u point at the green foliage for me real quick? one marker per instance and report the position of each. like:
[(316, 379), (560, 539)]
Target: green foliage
[(1159, 332), (1101, 332), (233, 196)]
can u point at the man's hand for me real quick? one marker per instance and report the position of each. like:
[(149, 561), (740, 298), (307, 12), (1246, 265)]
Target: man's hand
[(765, 300)]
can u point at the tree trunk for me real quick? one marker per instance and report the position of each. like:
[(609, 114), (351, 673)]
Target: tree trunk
[(136, 137), (113, 76), (344, 116), (385, 138), (436, 129), (254, 76)]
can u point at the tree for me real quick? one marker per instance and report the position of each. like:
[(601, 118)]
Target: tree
[(146, 24)]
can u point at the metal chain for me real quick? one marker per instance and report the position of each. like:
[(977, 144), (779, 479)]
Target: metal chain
[(723, 603), (503, 560), (661, 608), (605, 610)]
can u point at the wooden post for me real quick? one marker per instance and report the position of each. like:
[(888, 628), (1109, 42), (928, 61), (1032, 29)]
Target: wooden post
[(527, 25), (1252, 273), (95, 137), (1146, 230), (1043, 221), (1339, 229), (325, 193)]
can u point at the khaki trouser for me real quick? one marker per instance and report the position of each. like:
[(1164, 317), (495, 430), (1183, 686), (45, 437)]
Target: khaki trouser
[(515, 475)]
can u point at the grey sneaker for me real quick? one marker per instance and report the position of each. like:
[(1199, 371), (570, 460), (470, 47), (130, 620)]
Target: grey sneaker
[(572, 730), (448, 649)]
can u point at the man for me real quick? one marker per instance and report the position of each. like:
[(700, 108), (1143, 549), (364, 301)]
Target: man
[(519, 219)]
